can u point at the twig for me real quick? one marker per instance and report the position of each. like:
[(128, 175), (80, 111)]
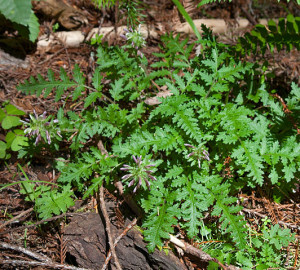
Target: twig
[(108, 230), (250, 211), (296, 254), (29, 253), (39, 223), (288, 112), (51, 264), (128, 199), (16, 217), (116, 17), (52, 56), (248, 16), (133, 223), (199, 253), (65, 48)]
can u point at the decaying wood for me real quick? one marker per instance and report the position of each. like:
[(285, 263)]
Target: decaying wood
[(218, 26), (108, 229), (47, 265), (199, 253), (87, 245), (129, 227), (67, 16), (25, 251), (41, 260), (16, 217), (38, 223), (75, 38)]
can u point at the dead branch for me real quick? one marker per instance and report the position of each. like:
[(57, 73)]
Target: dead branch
[(29, 253), (249, 17), (50, 264), (133, 223), (66, 15), (108, 230), (16, 217), (199, 253), (39, 223), (128, 199), (75, 38)]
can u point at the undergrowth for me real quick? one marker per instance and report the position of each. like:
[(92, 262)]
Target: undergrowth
[(173, 155)]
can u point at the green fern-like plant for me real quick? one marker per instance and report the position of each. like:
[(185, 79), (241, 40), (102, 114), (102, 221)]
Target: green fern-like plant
[(284, 34), (36, 86), (171, 156)]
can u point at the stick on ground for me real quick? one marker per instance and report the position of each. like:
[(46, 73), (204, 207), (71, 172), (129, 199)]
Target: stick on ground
[(108, 230), (133, 223)]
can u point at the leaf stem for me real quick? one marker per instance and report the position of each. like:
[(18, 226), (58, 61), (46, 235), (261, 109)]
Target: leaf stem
[(187, 18)]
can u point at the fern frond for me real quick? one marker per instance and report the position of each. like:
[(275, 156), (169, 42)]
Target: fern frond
[(159, 222), (81, 170), (169, 105), (184, 82), (231, 222), (185, 119), (235, 121), (166, 139), (183, 116), (248, 155), (96, 182), (195, 200), (54, 202), (36, 87), (285, 33)]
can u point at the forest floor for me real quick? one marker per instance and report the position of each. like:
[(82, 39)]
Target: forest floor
[(20, 226)]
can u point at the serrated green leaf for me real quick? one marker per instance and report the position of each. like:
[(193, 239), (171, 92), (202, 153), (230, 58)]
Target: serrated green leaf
[(92, 97), (94, 187), (54, 202), (96, 80), (117, 89), (136, 113), (180, 64), (243, 259)]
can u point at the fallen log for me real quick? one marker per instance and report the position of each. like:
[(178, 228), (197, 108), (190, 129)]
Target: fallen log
[(75, 38), (88, 248), (67, 16)]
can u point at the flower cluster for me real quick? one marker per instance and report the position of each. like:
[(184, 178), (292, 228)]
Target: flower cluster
[(135, 39), (41, 127), (198, 153), (141, 172)]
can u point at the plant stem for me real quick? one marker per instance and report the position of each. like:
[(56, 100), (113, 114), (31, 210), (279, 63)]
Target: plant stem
[(187, 18)]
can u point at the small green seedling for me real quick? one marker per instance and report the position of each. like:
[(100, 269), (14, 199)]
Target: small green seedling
[(14, 138)]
